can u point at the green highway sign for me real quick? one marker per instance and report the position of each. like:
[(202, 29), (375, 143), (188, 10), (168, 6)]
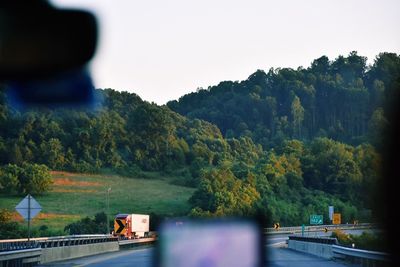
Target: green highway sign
[(316, 219)]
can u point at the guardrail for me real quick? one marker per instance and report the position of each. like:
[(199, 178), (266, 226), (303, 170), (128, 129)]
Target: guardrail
[(18, 245), (365, 257), (52, 237), (75, 241), (316, 228), (19, 252), (57, 241)]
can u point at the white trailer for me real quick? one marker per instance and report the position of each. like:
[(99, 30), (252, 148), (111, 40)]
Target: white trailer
[(140, 224)]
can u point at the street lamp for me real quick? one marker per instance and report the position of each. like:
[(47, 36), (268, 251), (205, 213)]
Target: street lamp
[(108, 209)]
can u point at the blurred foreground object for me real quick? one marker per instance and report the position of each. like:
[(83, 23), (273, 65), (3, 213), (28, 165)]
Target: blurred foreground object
[(210, 243), (44, 52)]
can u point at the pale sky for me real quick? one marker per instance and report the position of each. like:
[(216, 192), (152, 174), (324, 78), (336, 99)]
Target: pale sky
[(164, 49)]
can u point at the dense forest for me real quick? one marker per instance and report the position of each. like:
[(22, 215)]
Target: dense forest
[(280, 145), (341, 99)]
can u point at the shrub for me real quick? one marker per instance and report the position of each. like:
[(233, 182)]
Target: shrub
[(97, 225), (27, 179)]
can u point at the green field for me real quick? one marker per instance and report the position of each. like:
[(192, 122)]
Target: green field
[(74, 196)]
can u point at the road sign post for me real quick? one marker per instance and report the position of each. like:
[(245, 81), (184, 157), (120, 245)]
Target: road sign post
[(108, 210), (29, 218), (331, 211), (316, 219), (28, 208)]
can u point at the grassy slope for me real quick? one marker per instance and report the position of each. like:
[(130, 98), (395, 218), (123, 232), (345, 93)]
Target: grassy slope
[(75, 196)]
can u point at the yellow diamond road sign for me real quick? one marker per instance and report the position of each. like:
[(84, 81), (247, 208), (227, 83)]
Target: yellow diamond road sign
[(28, 208), (337, 218)]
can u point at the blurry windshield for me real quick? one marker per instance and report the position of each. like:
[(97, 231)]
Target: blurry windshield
[(257, 109)]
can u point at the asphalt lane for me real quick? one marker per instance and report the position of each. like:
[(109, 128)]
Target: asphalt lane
[(277, 255), (141, 257), (284, 257)]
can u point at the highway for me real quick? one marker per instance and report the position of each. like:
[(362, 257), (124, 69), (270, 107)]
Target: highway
[(277, 256), (141, 257), (283, 257)]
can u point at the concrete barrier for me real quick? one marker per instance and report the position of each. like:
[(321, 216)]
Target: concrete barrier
[(320, 249), (71, 252), (25, 257)]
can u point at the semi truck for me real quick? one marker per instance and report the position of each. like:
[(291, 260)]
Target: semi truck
[(130, 226)]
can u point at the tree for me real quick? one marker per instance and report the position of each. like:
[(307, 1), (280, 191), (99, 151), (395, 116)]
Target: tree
[(34, 179), (321, 65), (297, 112), (376, 126), (370, 164), (53, 153), (331, 167), (9, 178), (220, 193), (16, 154), (9, 229)]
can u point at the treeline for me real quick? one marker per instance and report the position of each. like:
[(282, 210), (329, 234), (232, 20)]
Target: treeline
[(341, 99), (127, 134), (288, 185), (279, 152)]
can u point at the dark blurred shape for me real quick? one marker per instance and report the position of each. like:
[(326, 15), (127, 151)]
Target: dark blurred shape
[(72, 87), (208, 243), (40, 45), (388, 201)]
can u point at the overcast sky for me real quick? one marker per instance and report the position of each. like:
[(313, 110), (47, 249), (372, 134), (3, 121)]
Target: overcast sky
[(164, 49)]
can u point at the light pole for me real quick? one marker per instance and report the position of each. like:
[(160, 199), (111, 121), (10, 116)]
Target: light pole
[(108, 209)]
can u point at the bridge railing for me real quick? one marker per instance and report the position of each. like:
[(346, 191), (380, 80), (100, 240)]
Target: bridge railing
[(316, 228), (18, 245), (57, 241), (74, 241)]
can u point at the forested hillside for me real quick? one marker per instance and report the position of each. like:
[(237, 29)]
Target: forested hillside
[(340, 99), (127, 135), (281, 145)]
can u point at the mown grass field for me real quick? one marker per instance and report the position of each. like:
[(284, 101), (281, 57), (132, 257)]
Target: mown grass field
[(74, 196)]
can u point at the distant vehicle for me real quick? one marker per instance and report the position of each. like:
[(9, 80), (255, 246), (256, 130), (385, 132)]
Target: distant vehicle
[(130, 226)]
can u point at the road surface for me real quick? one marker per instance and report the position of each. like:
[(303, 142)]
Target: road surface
[(277, 256)]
